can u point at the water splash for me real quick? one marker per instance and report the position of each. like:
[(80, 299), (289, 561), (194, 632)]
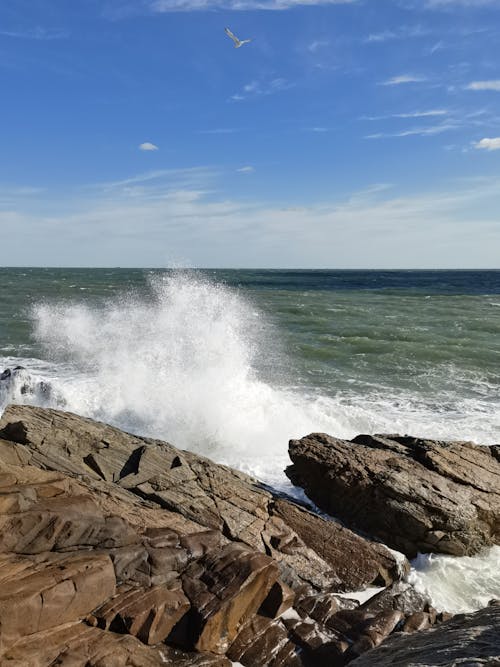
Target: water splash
[(184, 365), (458, 585)]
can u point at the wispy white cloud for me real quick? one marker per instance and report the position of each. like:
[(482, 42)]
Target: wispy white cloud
[(438, 46), (422, 114), (403, 79), (220, 130), (37, 33), (403, 32), (484, 85), (10, 195), (383, 36), (148, 146), (449, 4), (159, 180), (238, 5), (416, 131), (265, 87), (444, 228), (450, 120), (410, 114), (487, 144), (317, 44), (247, 169)]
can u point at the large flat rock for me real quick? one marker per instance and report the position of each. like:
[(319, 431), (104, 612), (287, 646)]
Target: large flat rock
[(414, 495), (308, 548)]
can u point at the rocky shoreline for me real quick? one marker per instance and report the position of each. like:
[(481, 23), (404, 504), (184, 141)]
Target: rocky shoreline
[(117, 550)]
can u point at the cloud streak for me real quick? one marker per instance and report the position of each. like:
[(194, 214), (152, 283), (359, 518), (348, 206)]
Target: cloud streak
[(260, 88), (484, 85), (164, 6), (38, 33), (411, 114), (450, 4), (403, 79), (404, 32), (416, 131)]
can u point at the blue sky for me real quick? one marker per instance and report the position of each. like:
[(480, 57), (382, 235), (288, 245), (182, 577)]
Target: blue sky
[(362, 133)]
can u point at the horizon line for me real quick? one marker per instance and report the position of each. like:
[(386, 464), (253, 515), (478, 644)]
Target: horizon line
[(236, 268)]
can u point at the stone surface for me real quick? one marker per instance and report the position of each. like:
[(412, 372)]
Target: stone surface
[(375, 631), (150, 615), (122, 551), (467, 640), (79, 645), (225, 589), (309, 548), (264, 641), (280, 598), (36, 597), (414, 495), (400, 596)]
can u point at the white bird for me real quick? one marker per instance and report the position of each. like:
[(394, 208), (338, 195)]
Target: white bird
[(237, 42)]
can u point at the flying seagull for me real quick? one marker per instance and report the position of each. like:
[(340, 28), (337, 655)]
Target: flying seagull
[(237, 42)]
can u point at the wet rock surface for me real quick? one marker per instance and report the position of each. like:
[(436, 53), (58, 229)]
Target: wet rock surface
[(119, 551), (414, 495)]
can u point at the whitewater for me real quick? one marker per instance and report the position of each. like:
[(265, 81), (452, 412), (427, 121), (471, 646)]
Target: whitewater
[(202, 365)]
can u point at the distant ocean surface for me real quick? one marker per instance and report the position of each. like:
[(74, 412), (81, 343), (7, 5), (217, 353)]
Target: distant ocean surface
[(232, 364)]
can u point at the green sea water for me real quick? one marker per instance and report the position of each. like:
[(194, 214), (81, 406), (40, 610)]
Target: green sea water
[(428, 340)]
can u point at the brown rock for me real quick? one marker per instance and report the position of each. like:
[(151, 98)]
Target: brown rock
[(34, 597), (199, 553), (264, 641), (280, 598), (375, 631), (307, 547), (415, 495), (354, 560), (321, 646), (147, 614), (324, 606), (225, 589), (416, 622), (349, 622), (78, 645), (400, 596)]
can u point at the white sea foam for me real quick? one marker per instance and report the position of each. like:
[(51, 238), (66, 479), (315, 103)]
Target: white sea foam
[(458, 585), (194, 363)]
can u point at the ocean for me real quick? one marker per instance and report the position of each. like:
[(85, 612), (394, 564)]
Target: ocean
[(233, 363)]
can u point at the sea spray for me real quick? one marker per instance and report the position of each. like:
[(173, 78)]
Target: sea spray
[(182, 364), (196, 362)]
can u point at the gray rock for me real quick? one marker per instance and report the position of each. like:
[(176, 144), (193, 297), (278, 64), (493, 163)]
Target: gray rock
[(414, 495), (468, 640), (311, 551)]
